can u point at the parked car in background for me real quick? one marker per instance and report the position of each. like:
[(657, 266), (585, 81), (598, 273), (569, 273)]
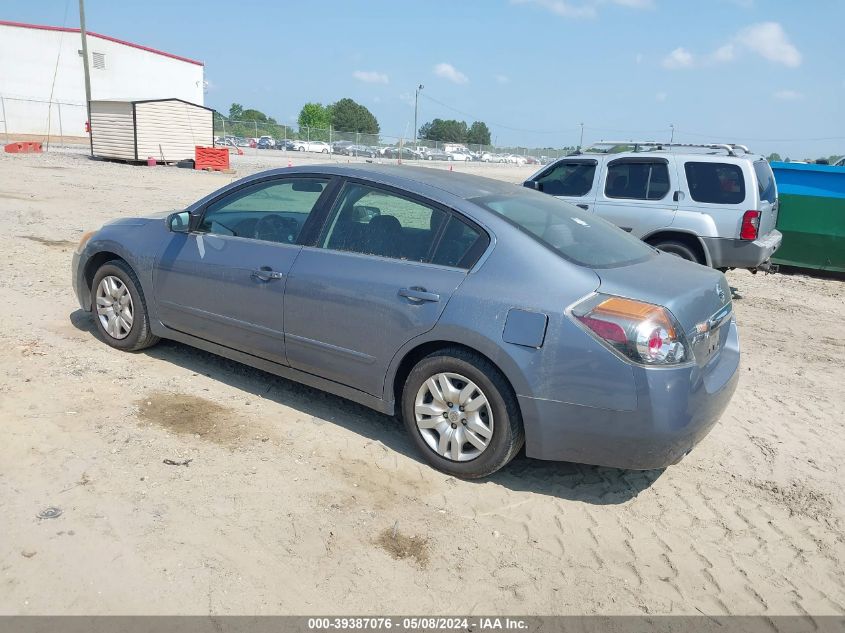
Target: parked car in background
[(312, 146), (717, 208), (488, 316), (339, 146), (359, 150), (840, 162), (405, 153), (461, 155), (285, 144), (437, 154), (268, 141)]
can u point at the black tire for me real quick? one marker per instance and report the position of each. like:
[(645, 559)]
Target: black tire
[(508, 434), (678, 249), (139, 336)]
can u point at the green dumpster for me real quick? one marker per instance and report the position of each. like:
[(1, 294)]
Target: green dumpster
[(811, 215)]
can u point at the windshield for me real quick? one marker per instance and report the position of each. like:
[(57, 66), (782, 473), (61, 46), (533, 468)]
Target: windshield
[(578, 236)]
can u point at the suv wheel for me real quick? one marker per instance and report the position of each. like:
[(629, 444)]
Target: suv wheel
[(461, 414), (678, 249), (120, 309)]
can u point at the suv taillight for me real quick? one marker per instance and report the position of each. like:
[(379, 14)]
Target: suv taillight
[(750, 225)]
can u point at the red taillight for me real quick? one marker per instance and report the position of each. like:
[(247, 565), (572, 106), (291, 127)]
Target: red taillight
[(605, 329), (750, 225)]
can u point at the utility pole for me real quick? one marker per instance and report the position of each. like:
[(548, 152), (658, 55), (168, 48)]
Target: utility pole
[(581, 142), (416, 108), (672, 135), (87, 70)]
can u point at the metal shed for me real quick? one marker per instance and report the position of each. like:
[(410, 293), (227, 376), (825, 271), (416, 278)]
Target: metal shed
[(164, 129)]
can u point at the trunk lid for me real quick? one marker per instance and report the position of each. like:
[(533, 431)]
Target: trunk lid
[(697, 296)]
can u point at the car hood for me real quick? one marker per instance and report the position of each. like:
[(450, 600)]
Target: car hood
[(691, 292), (140, 220)]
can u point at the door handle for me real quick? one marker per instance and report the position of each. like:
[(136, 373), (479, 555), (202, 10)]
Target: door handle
[(418, 294), (265, 273), (583, 206)]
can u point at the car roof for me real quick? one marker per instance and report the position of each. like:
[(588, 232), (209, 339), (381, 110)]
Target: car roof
[(459, 184), (686, 155)]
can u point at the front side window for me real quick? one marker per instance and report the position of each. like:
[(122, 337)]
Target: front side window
[(273, 211), (716, 183), (377, 222), (568, 179), (637, 180)]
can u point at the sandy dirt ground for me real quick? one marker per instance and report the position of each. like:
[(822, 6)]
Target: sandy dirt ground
[(299, 502)]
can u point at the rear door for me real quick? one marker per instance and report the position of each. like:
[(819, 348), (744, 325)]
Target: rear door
[(225, 282), (636, 194), (381, 273), (573, 180)]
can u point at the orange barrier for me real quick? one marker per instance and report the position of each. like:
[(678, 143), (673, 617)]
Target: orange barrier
[(24, 147), (213, 158)]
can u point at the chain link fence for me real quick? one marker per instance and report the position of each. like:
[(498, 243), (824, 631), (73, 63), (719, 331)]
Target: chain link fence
[(58, 123), (259, 135)]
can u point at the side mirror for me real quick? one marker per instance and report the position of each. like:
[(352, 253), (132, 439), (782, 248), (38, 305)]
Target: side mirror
[(533, 184), (178, 222)]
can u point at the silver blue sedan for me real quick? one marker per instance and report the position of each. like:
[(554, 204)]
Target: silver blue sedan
[(485, 315)]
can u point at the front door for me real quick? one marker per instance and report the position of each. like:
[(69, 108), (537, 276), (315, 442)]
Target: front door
[(225, 283), (637, 194), (380, 274)]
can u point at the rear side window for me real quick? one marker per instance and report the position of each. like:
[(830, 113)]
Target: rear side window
[(716, 183), (460, 246), (765, 181), (637, 180), (376, 222), (568, 178), (577, 236)]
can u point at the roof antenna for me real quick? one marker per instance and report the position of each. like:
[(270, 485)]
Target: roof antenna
[(672, 135)]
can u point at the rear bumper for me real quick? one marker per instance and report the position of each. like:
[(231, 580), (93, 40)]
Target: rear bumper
[(676, 408), (731, 253)]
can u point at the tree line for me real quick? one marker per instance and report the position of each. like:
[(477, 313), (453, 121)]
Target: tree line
[(346, 119)]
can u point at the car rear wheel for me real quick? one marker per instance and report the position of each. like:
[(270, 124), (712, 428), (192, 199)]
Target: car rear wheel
[(678, 249), (325, 151), (461, 414), (120, 309)]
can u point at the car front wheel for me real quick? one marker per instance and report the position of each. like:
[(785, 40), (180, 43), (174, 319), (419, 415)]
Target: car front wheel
[(120, 309), (461, 414)]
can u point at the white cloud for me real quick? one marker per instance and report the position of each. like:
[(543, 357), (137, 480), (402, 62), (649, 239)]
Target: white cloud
[(723, 54), (447, 71), (584, 8), (660, 97), (769, 40), (371, 77), (635, 4), (766, 39), (678, 58), (563, 8), (788, 95), (502, 79)]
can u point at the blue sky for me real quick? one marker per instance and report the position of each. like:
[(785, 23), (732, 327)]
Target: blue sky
[(766, 72)]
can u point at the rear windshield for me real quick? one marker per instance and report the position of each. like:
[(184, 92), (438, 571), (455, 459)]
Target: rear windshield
[(716, 183), (576, 235), (765, 181)]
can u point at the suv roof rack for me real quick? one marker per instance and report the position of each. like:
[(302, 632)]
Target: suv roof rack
[(730, 148)]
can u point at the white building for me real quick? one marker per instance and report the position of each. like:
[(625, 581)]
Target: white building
[(42, 82)]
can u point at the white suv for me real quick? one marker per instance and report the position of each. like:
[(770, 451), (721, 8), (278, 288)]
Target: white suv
[(312, 146), (712, 204)]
